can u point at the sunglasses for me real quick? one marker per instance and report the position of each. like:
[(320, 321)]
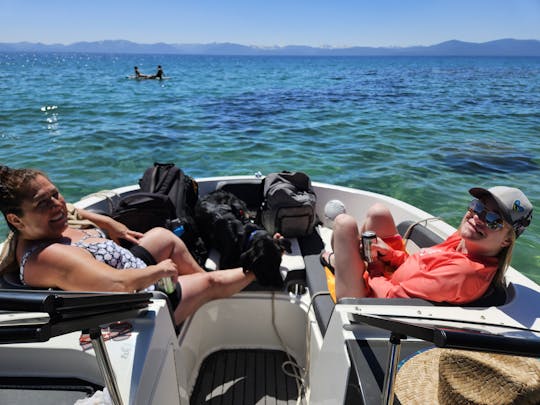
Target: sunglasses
[(115, 331), (492, 219)]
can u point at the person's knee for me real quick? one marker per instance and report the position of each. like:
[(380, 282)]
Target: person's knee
[(378, 211), (379, 219), (344, 223), (162, 241), (158, 230), (157, 233)]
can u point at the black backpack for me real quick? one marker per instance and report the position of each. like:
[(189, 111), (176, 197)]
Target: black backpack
[(167, 199), (288, 204), (170, 180)]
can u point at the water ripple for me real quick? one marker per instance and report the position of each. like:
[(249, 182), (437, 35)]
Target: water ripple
[(420, 129)]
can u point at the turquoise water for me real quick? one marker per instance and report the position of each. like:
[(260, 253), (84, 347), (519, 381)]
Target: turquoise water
[(421, 129)]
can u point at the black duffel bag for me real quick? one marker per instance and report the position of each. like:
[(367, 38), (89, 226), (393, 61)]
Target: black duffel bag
[(288, 204)]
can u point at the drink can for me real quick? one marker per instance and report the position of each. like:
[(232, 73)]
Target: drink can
[(166, 285), (368, 237)]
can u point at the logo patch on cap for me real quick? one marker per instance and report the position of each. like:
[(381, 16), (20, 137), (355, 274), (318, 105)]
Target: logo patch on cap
[(517, 206)]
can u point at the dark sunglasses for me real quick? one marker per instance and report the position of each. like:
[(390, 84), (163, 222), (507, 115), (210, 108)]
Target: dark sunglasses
[(492, 219)]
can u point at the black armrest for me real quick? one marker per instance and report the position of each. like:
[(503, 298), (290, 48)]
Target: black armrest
[(415, 302), (513, 341), (67, 312)]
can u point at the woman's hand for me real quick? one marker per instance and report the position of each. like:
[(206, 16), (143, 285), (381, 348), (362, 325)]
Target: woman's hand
[(118, 231), (114, 229), (380, 249), (166, 268)]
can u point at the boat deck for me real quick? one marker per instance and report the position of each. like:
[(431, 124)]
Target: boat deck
[(244, 377)]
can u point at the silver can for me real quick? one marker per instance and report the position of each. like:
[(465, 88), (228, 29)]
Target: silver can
[(166, 285), (368, 237)]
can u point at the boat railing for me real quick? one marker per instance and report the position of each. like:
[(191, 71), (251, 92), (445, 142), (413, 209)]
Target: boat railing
[(37, 316)]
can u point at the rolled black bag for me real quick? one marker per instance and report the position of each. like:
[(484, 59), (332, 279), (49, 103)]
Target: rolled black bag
[(144, 211), (167, 199)]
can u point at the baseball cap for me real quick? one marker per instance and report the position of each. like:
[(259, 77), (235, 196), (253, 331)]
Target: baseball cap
[(514, 206)]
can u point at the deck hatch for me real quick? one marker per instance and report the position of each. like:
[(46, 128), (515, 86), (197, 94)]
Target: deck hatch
[(244, 377)]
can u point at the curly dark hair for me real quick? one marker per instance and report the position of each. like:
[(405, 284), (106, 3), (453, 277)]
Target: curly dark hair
[(14, 188)]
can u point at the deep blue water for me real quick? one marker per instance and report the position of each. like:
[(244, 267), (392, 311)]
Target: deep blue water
[(421, 129)]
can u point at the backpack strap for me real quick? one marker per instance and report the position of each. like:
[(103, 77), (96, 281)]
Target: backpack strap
[(163, 177), (154, 174), (159, 178)]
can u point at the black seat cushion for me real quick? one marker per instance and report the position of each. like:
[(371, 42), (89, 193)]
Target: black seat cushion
[(311, 247), (419, 234)]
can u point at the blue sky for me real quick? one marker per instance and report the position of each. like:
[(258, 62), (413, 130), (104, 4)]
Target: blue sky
[(270, 22)]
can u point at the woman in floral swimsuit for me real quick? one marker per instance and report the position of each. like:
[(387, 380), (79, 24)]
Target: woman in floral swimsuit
[(53, 255)]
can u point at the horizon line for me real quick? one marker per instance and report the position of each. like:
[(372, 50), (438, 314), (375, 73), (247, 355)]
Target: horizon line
[(324, 46)]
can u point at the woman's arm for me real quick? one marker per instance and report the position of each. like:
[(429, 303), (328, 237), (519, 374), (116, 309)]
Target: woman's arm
[(73, 269), (114, 229), (456, 282)]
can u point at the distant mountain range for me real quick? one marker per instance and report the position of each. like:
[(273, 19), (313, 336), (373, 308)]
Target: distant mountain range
[(501, 47)]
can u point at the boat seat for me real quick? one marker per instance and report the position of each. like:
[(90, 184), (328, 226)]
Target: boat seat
[(250, 191), (421, 236), (11, 280), (323, 305), (67, 312), (292, 264)]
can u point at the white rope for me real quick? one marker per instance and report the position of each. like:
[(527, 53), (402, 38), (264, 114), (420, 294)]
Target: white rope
[(107, 195), (298, 373), (296, 369)]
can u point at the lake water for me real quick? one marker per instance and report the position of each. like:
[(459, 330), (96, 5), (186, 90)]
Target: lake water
[(421, 129)]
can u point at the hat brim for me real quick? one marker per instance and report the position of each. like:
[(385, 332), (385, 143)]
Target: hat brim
[(449, 376), (480, 192), (422, 367)]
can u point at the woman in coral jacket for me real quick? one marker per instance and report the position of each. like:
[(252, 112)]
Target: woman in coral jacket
[(459, 270)]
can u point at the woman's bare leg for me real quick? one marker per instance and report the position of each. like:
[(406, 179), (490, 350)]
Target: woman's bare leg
[(198, 289), (163, 244), (380, 220), (348, 261)]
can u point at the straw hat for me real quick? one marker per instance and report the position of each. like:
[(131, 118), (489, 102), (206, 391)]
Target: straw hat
[(454, 377)]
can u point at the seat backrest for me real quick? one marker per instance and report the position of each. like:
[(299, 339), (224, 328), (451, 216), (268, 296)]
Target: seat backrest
[(421, 236), (249, 191), (11, 280)]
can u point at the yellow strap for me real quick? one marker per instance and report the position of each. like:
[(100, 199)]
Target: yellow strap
[(331, 281)]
